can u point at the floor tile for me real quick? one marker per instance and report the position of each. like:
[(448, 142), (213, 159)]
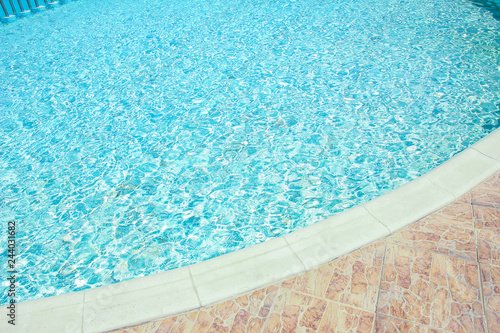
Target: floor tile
[(431, 289), (206, 321), (353, 279), (342, 318), (244, 314), (384, 324), (180, 324), (449, 231), (491, 289), (458, 213), (253, 310), (295, 312), (488, 193), (167, 325), (488, 234), (315, 282)]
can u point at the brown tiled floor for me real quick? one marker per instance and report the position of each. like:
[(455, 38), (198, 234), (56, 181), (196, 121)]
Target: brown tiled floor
[(440, 274)]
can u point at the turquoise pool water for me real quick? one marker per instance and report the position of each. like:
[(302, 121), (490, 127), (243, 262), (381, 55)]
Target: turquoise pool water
[(141, 136)]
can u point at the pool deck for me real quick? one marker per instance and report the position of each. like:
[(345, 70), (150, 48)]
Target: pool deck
[(422, 258)]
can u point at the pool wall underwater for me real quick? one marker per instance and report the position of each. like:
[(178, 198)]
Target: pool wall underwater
[(189, 288)]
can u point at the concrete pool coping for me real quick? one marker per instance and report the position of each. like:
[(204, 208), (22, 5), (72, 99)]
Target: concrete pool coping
[(190, 288)]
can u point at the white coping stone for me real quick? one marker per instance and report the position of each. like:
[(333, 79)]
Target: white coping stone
[(467, 169), (65, 319), (489, 145), (164, 294), (159, 279), (323, 241), (63, 313), (130, 304), (245, 270), (408, 203)]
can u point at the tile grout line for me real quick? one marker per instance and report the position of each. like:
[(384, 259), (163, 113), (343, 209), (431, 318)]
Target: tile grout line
[(329, 300), (480, 272), (484, 205), (296, 256), (386, 242), (376, 218), (413, 322), (270, 308), (482, 153), (455, 198), (432, 252), (195, 321), (433, 258), (195, 290), (485, 318), (322, 317)]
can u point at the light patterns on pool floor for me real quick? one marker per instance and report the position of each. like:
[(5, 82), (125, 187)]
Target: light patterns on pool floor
[(440, 274)]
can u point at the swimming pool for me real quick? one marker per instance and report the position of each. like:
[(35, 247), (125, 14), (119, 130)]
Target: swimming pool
[(139, 137)]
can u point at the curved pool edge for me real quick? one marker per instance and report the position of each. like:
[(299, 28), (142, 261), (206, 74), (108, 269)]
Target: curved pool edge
[(190, 288)]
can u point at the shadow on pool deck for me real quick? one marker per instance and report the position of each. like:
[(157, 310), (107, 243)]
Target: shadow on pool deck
[(439, 274)]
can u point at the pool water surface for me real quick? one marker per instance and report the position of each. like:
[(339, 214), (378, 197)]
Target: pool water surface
[(142, 136)]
